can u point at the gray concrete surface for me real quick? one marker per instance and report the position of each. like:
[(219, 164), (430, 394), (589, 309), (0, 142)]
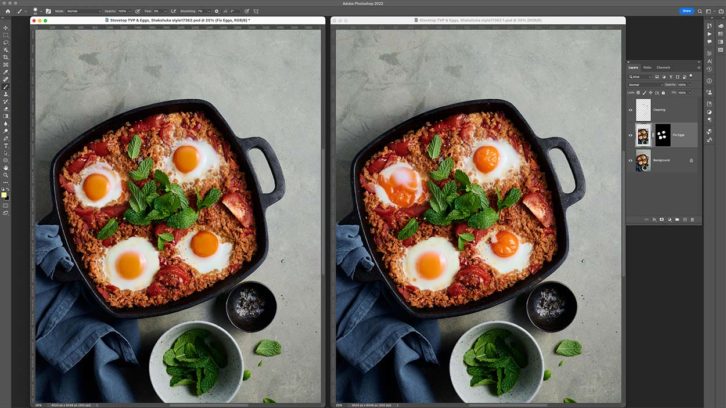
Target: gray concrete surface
[(265, 83), (565, 83)]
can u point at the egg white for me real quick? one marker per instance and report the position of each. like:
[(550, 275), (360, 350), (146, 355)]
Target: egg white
[(509, 163), (215, 262), (114, 181), (209, 162), (517, 262), (140, 246), (439, 245), (390, 171)]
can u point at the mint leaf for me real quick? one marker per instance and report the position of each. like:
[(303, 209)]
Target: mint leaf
[(562, 362), (134, 147), (183, 219), (212, 196), (137, 201), (483, 219), (478, 191), (268, 348), (142, 172), (468, 202), (511, 198), (444, 169), (449, 191), (161, 178), (108, 230), (268, 400), (409, 230), (163, 239), (246, 375), (133, 217), (434, 148), (547, 375), (462, 178), (568, 400), (457, 214), (437, 200), (436, 218), (464, 237), (179, 193), (569, 348)]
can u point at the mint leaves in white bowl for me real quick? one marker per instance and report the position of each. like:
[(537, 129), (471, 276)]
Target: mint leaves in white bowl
[(196, 362), (496, 362)]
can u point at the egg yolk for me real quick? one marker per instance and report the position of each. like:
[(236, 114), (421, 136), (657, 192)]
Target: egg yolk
[(430, 265), (130, 265), (96, 186), (186, 158), (204, 244), (486, 158), (506, 245), (401, 186)]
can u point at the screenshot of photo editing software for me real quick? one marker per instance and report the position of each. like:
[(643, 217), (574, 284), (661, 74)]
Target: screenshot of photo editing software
[(339, 203)]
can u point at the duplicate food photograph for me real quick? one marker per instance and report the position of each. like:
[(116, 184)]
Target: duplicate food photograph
[(478, 209), (173, 206)]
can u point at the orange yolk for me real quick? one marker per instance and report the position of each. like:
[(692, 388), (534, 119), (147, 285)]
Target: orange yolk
[(204, 244), (130, 265), (96, 186), (430, 265), (186, 158), (506, 245), (400, 187), (486, 158)]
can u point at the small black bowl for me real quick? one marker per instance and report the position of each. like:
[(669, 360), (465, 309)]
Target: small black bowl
[(251, 306), (551, 306)]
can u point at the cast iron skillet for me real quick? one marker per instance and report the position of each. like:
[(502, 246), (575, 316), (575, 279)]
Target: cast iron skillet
[(240, 147), (560, 200)]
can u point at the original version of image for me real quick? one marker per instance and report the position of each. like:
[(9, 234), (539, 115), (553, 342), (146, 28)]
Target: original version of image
[(643, 134), (170, 234), (482, 260), (643, 161)]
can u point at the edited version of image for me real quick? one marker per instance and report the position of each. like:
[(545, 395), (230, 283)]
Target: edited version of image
[(475, 216), (184, 183), (643, 133)]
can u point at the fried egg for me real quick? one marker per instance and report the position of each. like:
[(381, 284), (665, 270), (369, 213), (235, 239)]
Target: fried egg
[(431, 264), (100, 184), (191, 160), (399, 185), (504, 251), (131, 263), (204, 251), (491, 160)]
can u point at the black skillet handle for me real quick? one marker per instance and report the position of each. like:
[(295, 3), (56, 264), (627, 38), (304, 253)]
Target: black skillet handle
[(567, 199), (259, 143), (360, 275)]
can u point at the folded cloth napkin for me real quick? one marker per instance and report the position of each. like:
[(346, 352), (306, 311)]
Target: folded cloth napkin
[(81, 354), (381, 352)]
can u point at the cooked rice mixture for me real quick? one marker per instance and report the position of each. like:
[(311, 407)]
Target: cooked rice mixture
[(531, 218), (229, 218)]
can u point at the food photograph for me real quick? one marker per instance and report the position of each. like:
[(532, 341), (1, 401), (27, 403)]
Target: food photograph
[(178, 237), (478, 224)]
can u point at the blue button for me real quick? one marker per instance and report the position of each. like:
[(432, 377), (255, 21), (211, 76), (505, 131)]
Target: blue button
[(686, 11)]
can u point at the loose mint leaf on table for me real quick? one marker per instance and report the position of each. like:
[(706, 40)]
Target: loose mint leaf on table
[(108, 230), (142, 172), (268, 400), (409, 230), (268, 348), (568, 400), (547, 375), (134, 147), (569, 348), (434, 148), (246, 375), (183, 219), (444, 169), (562, 362)]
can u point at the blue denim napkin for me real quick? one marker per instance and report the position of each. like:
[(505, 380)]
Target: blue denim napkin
[(81, 354), (381, 352)]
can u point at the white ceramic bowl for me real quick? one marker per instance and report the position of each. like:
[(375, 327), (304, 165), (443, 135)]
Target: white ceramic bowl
[(530, 377), (228, 382)]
